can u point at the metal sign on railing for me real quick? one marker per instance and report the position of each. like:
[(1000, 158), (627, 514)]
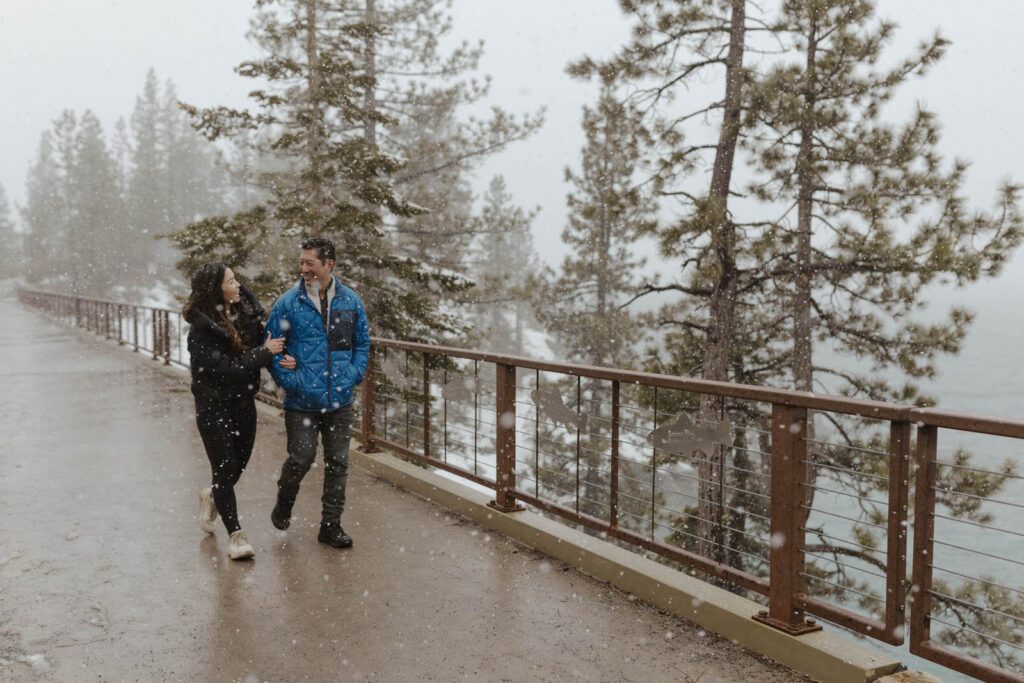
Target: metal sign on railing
[(804, 499)]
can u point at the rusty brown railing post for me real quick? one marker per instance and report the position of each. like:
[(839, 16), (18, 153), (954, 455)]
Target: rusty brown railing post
[(789, 477), (924, 532), (426, 404), (154, 325), (505, 439), (613, 504), (166, 316), (369, 404), (896, 552)]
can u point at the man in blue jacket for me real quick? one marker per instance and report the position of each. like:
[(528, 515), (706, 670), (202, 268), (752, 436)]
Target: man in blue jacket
[(325, 330)]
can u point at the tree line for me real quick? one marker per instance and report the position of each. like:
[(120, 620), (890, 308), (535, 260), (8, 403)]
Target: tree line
[(95, 204)]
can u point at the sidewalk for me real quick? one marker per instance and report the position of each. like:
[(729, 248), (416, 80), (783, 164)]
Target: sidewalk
[(104, 574)]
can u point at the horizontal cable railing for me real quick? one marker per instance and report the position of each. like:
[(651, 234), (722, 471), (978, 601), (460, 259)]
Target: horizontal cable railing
[(802, 500)]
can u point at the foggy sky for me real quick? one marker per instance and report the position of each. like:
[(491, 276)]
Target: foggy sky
[(94, 54)]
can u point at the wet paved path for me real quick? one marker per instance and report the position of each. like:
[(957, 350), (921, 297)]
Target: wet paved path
[(104, 574)]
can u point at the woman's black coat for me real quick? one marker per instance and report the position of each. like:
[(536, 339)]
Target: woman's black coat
[(219, 371)]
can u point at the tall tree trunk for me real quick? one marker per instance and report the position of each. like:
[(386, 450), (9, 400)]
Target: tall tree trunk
[(723, 297), (370, 57), (315, 127), (803, 368)]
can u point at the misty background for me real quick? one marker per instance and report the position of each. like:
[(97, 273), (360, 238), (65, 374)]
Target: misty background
[(94, 54)]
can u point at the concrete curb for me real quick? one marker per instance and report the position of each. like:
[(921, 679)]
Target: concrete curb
[(821, 655)]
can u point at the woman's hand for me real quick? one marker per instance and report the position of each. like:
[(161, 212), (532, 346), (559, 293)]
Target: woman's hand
[(275, 346), (288, 363)]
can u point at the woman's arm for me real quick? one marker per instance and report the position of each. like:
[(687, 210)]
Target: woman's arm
[(225, 366)]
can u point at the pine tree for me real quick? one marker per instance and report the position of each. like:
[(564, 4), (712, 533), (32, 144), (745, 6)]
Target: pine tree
[(502, 271), (337, 182), (49, 211), (95, 237), (673, 47), (852, 267), (10, 246), (583, 305), (878, 218), (44, 214), (423, 89), (145, 202)]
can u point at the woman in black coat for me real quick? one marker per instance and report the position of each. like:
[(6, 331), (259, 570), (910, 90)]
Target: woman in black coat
[(227, 349)]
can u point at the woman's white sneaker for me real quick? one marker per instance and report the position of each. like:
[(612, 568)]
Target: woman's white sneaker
[(207, 510), (238, 546)]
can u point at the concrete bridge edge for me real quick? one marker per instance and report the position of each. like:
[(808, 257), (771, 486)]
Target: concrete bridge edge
[(821, 655)]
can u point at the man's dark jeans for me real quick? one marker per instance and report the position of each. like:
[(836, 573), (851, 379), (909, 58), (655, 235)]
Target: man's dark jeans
[(303, 428)]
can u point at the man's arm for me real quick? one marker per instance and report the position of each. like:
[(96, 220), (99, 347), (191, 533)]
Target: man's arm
[(278, 326)]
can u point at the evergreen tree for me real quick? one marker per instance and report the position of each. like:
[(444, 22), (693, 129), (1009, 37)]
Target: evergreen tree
[(583, 306), (878, 219), (44, 215), (194, 183), (145, 201), (75, 235), (49, 212), (674, 46), (422, 89), (95, 237), (337, 182), (10, 247), (384, 92), (502, 271), (851, 270)]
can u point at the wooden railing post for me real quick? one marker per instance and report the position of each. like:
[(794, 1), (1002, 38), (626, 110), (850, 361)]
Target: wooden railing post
[(155, 325), (369, 405), (896, 550), (924, 533), (613, 506), (505, 439), (426, 404), (789, 477), (135, 327), (166, 317)]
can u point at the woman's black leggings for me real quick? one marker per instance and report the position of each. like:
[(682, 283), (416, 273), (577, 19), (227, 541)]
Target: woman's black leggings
[(228, 428)]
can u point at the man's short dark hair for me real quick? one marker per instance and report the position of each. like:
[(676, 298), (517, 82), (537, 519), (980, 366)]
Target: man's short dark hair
[(324, 248)]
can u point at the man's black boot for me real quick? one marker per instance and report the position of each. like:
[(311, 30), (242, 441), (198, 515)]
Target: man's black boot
[(334, 535), (281, 515)]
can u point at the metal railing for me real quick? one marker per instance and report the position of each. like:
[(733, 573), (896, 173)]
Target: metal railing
[(801, 500)]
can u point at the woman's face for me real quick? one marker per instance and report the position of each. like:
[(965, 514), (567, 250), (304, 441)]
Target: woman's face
[(229, 287)]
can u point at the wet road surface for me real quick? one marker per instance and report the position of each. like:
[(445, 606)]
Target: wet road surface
[(105, 575)]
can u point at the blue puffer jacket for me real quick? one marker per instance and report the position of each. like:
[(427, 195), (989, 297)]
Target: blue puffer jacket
[(329, 363)]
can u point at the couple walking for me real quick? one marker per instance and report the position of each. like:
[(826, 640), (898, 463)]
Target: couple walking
[(316, 344)]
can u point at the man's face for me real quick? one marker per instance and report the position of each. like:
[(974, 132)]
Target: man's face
[(314, 272)]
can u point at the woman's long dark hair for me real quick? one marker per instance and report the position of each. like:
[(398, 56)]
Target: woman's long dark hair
[(208, 297)]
